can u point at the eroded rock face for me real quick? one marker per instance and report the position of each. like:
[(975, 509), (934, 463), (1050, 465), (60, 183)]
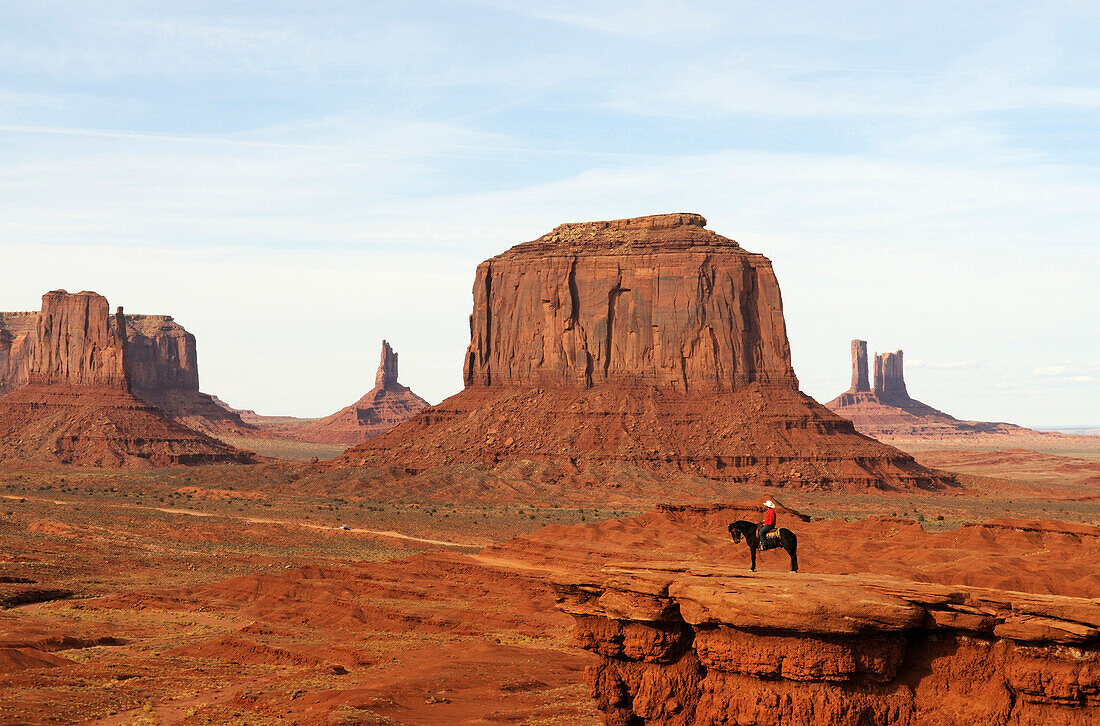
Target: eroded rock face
[(16, 344), (890, 377), (859, 367), (160, 358), (162, 354), (649, 342), (75, 343), (658, 300), (77, 406), (701, 645), (379, 410), (888, 411)]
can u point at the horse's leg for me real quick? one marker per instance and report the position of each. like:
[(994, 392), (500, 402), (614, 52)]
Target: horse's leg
[(792, 549), (752, 551)]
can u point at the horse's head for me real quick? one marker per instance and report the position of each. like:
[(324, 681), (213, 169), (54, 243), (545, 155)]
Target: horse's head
[(735, 533)]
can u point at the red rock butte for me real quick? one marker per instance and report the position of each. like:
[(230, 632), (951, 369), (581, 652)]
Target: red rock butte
[(379, 410), (160, 354), (76, 405), (889, 411), (650, 342)]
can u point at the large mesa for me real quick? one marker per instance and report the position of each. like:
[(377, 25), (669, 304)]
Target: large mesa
[(646, 343), (160, 354), (76, 404), (651, 300)]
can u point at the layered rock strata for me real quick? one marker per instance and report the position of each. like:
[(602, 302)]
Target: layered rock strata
[(386, 405), (702, 645), (648, 342), (77, 406), (161, 362), (889, 411), (654, 300)]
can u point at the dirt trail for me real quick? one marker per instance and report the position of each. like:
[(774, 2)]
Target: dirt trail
[(262, 520)]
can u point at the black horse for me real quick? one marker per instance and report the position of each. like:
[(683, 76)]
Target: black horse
[(787, 541)]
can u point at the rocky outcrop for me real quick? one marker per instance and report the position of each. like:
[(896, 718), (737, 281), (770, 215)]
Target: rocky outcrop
[(162, 354), (648, 343), (76, 343), (890, 377), (379, 410), (684, 645), (160, 359), (16, 343), (859, 367), (77, 406), (888, 411), (653, 300)]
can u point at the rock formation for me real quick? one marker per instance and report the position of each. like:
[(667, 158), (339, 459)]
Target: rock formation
[(655, 300), (76, 344), (161, 362), (684, 645), (16, 341), (648, 343), (77, 406), (379, 410), (859, 367), (888, 411)]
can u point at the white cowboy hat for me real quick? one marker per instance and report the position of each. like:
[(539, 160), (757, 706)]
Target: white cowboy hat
[(769, 504)]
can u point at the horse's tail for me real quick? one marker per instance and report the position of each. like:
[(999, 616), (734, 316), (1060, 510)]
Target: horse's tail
[(793, 551)]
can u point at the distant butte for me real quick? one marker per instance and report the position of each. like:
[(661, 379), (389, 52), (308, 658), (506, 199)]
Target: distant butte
[(379, 410), (889, 411), (72, 401), (162, 365), (651, 343)]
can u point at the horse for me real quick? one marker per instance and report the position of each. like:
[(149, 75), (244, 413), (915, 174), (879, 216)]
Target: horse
[(787, 541)]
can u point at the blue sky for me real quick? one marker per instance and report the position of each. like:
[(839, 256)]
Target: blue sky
[(296, 181)]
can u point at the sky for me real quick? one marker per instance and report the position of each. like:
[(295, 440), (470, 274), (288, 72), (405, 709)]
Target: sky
[(295, 181)]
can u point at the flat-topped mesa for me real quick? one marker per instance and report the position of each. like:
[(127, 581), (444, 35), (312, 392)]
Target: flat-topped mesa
[(386, 377), (654, 300), (76, 344), (617, 349), (73, 341)]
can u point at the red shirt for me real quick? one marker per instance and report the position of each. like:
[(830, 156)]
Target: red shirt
[(769, 517)]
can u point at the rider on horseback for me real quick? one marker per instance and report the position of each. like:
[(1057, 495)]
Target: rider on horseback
[(768, 524)]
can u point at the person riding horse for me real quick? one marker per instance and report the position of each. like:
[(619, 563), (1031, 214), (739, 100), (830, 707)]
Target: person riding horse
[(768, 525)]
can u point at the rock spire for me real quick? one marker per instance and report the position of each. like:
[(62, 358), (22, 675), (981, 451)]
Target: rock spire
[(386, 377), (860, 382)]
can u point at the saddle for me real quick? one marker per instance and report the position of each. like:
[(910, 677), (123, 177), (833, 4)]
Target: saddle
[(770, 540)]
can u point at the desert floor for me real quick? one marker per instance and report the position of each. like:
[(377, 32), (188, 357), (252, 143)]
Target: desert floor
[(231, 595)]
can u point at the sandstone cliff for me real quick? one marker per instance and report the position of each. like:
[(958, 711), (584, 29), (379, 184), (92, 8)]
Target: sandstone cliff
[(16, 341), (160, 360), (77, 406), (76, 344), (386, 405), (889, 412), (655, 300), (649, 343), (681, 644)]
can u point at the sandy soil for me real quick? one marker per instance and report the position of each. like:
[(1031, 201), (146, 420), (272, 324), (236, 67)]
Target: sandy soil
[(230, 595)]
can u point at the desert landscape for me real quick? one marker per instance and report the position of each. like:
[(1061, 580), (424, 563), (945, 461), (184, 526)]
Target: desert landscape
[(548, 546), (473, 363)]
